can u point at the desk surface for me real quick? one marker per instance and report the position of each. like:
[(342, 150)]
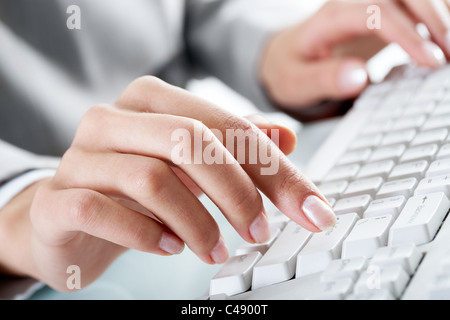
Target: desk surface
[(136, 275)]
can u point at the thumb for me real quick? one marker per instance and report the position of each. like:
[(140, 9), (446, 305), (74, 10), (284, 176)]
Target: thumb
[(334, 78)]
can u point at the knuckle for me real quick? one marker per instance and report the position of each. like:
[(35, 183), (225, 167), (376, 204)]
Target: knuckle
[(150, 179), (82, 207)]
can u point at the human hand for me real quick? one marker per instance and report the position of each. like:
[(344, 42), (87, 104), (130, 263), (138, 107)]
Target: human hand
[(118, 186), (301, 66)]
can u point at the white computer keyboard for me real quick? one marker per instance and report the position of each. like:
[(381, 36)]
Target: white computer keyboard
[(386, 172)]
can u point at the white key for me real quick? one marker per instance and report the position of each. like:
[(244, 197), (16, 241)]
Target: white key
[(434, 184), (324, 247), (262, 248), (377, 127), (407, 256), (358, 156), (380, 207), (419, 220), (419, 109), (235, 276), (277, 219), (343, 173), (391, 278), (416, 169), (344, 268), (279, 262), (376, 169), (428, 137), (441, 287), (370, 141), (354, 204), (368, 186), (332, 290), (426, 152), (399, 137), (409, 123), (403, 187), (444, 152), (437, 122), (333, 189), (388, 153), (438, 168), (367, 236)]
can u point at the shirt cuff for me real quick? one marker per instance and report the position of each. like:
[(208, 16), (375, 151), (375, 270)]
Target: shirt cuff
[(13, 187)]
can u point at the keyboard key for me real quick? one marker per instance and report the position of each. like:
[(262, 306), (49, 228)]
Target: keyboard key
[(370, 141), (438, 168), (368, 186), (415, 169), (399, 137), (333, 189), (426, 152), (372, 295), (428, 137), (277, 219), (279, 262), (386, 206), (332, 290), (235, 276), (403, 187), (407, 256), (419, 220), (344, 268), (434, 184), (444, 152), (438, 122), (262, 248), (342, 173), (358, 156), (388, 153), (354, 204), (409, 123), (376, 169), (391, 278), (367, 236), (324, 247)]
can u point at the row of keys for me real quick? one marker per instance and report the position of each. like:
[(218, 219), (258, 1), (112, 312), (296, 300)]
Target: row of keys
[(298, 252), (384, 276)]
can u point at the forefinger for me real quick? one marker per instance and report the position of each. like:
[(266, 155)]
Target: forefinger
[(270, 170)]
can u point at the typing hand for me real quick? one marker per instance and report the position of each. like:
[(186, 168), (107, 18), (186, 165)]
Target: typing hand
[(124, 166), (301, 66)]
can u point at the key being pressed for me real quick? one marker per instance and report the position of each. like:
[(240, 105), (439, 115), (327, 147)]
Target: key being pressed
[(279, 262), (420, 219), (324, 247), (235, 276)]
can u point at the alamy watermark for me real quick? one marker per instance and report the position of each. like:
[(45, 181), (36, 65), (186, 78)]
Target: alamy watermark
[(199, 146), (74, 20), (374, 19)]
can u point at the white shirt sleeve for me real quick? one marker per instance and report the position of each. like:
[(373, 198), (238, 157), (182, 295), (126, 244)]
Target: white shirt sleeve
[(13, 187)]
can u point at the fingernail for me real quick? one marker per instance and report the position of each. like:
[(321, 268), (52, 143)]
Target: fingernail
[(259, 229), (435, 55), (352, 77), (220, 252), (171, 244), (319, 213)]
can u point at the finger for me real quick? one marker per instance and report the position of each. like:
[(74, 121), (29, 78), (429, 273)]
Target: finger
[(273, 173), (350, 19), (193, 148), (97, 215), (152, 184), (287, 137), (332, 78), (436, 16)]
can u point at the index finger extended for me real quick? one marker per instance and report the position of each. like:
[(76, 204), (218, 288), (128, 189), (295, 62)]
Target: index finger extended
[(270, 170)]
